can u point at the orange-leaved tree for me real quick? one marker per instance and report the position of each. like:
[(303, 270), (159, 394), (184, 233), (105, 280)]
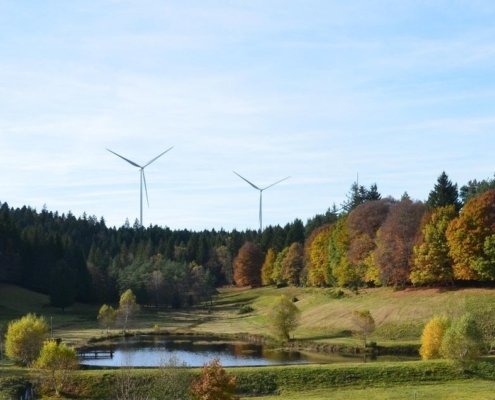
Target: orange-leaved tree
[(247, 265), (214, 383), (395, 242)]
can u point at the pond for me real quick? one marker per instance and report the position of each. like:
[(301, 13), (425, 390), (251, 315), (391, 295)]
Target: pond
[(154, 351)]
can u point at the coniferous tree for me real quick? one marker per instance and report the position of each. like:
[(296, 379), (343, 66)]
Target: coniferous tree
[(444, 193)]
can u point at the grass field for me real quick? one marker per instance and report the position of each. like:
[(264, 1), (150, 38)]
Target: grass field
[(326, 317), (472, 389)]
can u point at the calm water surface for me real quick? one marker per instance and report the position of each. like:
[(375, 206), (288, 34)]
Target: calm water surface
[(153, 351)]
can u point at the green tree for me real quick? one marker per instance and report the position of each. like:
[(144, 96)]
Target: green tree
[(214, 383), (468, 236), (25, 338), (57, 361), (432, 337), (267, 268), (277, 276), (431, 261), (107, 316), (364, 324), (474, 188), (284, 317), (340, 270), (62, 285), (127, 308), (444, 193), (358, 194), (463, 341)]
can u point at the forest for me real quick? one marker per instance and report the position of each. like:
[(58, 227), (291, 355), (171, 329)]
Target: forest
[(448, 239)]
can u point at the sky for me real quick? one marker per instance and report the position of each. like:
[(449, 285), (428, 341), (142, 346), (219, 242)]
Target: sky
[(395, 91)]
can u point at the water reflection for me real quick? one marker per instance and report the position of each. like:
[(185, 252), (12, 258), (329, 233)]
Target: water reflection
[(151, 351)]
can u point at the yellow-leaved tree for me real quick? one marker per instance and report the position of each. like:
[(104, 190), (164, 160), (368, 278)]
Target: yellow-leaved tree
[(25, 338), (431, 339)]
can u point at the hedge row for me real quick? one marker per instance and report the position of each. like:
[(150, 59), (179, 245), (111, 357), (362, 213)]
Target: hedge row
[(97, 384)]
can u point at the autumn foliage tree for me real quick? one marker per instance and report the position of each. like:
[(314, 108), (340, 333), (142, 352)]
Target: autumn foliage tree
[(267, 268), (363, 224), (247, 265), (214, 383), (463, 341), (316, 255), (56, 361), (431, 262), (471, 239), (432, 337), (293, 263), (24, 338), (395, 242)]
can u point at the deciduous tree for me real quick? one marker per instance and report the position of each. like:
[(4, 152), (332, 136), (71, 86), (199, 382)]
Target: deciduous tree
[(106, 316), (431, 261), (364, 324), (469, 239), (285, 317), (214, 383), (432, 337), (316, 253), (127, 308), (25, 338), (267, 268), (293, 263), (247, 265), (395, 242), (463, 341), (57, 361)]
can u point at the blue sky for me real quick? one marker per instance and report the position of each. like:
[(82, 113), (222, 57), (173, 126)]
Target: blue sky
[(319, 90)]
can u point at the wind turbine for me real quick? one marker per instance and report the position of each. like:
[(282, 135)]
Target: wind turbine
[(261, 193), (142, 178)]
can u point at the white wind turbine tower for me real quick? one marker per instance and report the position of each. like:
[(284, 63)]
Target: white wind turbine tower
[(142, 179), (261, 193)]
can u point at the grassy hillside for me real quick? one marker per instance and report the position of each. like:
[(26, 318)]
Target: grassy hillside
[(326, 313)]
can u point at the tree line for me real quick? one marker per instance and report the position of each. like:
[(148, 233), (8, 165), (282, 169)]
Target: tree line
[(369, 240)]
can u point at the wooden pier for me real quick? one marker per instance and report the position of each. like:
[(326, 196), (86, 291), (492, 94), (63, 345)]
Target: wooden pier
[(95, 354)]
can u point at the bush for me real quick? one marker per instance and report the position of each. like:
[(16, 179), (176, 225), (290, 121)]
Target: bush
[(56, 361), (214, 383), (463, 341), (25, 338), (285, 317), (432, 337)]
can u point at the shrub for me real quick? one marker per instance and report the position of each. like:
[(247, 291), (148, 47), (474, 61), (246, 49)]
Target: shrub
[(56, 361), (432, 337), (25, 338), (214, 383), (463, 341)]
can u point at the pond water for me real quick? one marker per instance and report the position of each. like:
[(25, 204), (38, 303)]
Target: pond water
[(153, 351)]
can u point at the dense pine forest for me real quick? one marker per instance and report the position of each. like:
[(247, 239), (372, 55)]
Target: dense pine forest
[(368, 241)]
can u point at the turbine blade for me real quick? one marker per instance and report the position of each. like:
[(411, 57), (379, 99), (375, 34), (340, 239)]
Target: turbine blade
[(158, 156), (123, 158), (145, 188), (244, 179), (273, 184)]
